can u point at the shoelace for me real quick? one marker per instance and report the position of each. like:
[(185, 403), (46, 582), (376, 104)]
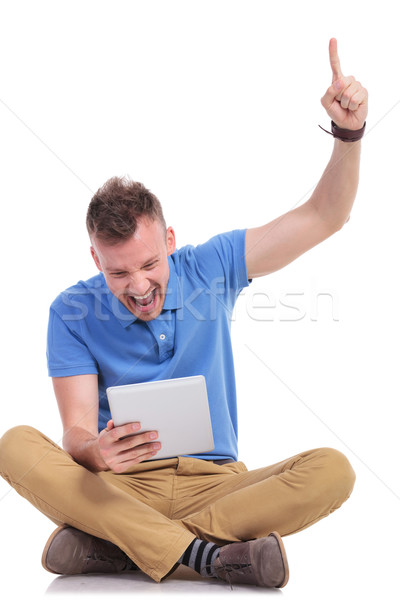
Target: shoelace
[(232, 567), (238, 567), (96, 553), (207, 569)]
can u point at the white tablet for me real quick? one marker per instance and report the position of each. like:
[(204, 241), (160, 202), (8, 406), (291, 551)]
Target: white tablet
[(176, 408)]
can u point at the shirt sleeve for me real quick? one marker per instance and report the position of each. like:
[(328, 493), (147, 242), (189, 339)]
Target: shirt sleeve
[(221, 263), (67, 353)]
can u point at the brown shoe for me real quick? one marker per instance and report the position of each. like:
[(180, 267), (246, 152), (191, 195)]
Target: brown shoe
[(259, 562), (70, 551)]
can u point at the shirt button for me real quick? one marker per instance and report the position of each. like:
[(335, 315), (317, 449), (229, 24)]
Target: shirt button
[(162, 337)]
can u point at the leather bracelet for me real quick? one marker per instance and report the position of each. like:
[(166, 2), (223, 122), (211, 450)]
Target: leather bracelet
[(345, 135)]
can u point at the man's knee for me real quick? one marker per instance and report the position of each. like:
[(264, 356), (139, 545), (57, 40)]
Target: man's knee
[(338, 474), (14, 448)]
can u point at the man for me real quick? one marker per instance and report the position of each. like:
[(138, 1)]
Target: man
[(155, 312)]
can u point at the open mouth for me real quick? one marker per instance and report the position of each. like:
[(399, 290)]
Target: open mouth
[(144, 303)]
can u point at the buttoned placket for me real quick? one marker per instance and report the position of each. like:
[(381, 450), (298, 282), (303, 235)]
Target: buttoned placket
[(163, 330)]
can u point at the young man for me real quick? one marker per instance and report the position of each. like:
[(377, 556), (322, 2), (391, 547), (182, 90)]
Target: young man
[(154, 312)]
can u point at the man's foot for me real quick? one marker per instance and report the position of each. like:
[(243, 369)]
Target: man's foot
[(70, 551), (259, 562)]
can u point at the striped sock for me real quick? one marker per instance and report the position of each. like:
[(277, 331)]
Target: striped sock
[(200, 556)]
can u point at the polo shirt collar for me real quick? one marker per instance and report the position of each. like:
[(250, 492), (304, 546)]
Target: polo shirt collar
[(173, 299)]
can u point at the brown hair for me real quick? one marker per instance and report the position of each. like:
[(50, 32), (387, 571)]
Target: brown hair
[(115, 208)]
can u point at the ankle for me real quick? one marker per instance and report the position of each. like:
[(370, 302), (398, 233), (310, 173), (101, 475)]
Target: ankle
[(201, 556)]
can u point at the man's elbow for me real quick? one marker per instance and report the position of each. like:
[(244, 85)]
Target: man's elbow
[(338, 226)]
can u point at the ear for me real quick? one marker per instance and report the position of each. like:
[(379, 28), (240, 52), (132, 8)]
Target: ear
[(171, 242), (95, 258)]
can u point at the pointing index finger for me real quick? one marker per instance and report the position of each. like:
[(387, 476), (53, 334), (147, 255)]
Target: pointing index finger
[(334, 60)]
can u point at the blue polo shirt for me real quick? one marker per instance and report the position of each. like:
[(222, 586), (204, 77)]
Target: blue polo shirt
[(91, 331)]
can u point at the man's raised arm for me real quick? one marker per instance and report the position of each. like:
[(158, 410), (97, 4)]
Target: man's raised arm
[(276, 244)]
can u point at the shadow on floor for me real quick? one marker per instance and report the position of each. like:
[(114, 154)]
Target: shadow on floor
[(183, 580)]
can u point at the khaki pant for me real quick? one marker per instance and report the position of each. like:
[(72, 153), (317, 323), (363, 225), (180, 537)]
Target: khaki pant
[(153, 511)]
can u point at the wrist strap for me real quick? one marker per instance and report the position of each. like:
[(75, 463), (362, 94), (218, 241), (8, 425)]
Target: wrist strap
[(345, 135)]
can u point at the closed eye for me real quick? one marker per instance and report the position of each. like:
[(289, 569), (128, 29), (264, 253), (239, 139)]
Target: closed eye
[(150, 265)]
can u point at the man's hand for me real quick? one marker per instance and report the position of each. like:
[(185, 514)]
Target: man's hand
[(121, 454), (345, 101)]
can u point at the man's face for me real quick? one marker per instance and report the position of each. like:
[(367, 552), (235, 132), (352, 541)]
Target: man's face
[(137, 270)]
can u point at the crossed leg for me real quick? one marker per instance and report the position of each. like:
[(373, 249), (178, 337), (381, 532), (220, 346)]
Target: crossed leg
[(154, 512)]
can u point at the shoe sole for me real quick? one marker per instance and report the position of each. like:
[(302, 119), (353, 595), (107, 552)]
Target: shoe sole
[(47, 546), (278, 538)]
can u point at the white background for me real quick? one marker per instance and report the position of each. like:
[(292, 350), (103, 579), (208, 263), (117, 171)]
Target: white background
[(215, 106)]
